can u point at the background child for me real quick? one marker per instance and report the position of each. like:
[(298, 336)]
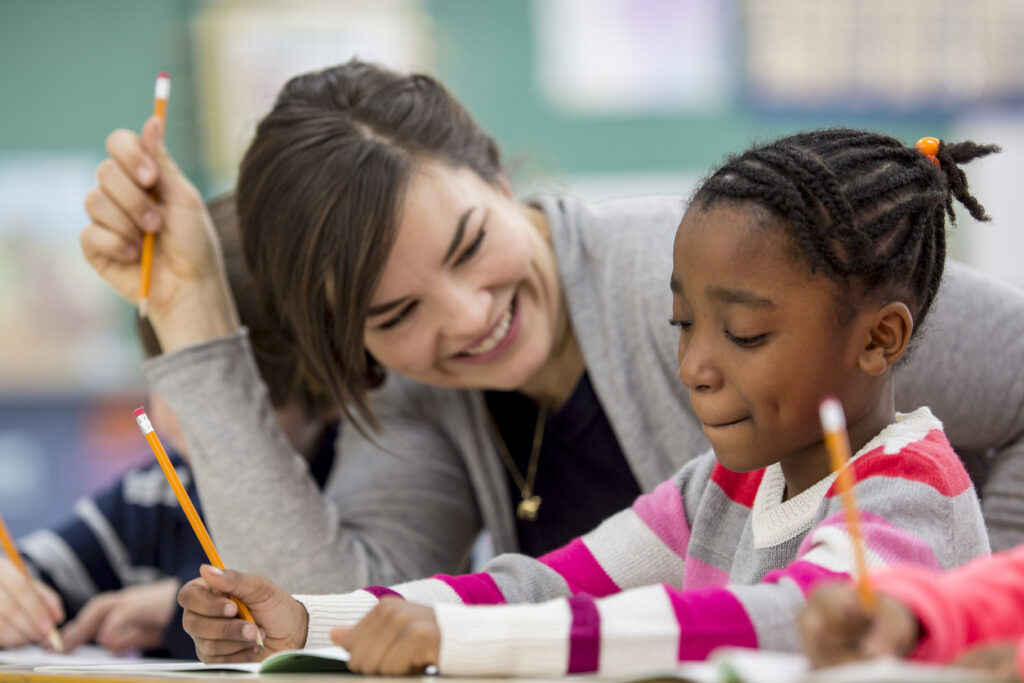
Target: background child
[(926, 615), (115, 567), (799, 270)]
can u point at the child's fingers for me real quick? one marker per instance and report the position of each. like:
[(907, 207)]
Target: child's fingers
[(200, 600), (893, 630), (32, 615), (217, 628), (104, 212), (86, 624)]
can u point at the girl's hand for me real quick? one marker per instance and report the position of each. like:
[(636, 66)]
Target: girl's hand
[(189, 300), (836, 628), (395, 638), (211, 617)]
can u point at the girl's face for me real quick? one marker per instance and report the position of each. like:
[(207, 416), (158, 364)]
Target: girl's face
[(760, 342), (469, 296)]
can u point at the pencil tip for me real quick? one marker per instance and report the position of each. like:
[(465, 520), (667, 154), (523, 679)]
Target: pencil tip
[(259, 640), (143, 308), (55, 640)]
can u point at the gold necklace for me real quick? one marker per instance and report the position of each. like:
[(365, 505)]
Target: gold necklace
[(530, 503)]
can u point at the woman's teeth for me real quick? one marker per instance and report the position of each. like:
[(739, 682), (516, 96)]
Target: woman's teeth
[(495, 338)]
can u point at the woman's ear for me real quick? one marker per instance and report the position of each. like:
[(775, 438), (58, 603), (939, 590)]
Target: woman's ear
[(888, 336), (504, 186)]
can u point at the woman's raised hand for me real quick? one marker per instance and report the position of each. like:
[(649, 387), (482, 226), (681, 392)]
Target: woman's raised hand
[(189, 301)]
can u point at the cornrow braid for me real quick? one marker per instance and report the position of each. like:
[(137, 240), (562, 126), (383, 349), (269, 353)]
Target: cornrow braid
[(863, 209)]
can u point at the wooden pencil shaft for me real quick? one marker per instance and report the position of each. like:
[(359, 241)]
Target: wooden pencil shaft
[(183, 499)]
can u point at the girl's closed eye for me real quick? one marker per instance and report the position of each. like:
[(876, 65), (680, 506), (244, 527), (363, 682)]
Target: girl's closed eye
[(746, 342), (683, 325)]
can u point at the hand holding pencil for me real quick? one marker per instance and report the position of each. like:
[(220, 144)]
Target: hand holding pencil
[(190, 510), (29, 609), (142, 191)]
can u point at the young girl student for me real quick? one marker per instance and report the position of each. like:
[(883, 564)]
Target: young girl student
[(514, 354), (800, 269), (972, 615)]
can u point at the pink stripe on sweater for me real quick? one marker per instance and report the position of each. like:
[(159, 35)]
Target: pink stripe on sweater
[(709, 618), (806, 575), (662, 511), (580, 570), (584, 635), (474, 589), (891, 543), (380, 591), (697, 574)]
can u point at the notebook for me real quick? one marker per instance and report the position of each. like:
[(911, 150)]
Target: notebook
[(313, 660), (740, 665)]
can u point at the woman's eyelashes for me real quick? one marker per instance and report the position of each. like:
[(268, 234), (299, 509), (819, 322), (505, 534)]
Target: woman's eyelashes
[(467, 254), (402, 314), (473, 247)]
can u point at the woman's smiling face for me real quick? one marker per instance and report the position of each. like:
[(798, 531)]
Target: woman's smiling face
[(469, 296)]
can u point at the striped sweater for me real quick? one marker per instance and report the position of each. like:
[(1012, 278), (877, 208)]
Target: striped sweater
[(709, 558)]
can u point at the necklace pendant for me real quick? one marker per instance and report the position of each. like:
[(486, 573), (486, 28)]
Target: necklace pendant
[(527, 508)]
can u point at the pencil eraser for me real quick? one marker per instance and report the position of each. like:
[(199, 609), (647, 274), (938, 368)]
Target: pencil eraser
[(139, 412), (831, 411), (163, 74)]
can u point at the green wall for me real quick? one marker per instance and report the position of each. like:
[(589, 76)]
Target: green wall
[(73, 70)]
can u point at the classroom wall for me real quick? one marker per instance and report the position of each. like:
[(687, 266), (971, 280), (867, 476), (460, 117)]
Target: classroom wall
[(73, 70)]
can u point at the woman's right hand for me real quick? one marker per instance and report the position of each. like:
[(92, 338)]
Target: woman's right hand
[(27, 610), (189, 301)]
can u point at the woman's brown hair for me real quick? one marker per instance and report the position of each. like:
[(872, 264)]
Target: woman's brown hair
[(319, 194), (273, 347)]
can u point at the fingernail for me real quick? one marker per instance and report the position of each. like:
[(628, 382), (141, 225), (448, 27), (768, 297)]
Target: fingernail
[(145, 174), (216, 571), (45, 625), (151, 220), (230, 610), (249, 632)]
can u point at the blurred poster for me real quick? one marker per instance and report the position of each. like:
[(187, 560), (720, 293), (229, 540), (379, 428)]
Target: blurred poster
[(61, 328), (633, 57), (910, 55), (247, 50)]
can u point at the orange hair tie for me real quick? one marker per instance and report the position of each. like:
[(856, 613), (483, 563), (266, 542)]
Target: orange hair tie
[(930, 148)]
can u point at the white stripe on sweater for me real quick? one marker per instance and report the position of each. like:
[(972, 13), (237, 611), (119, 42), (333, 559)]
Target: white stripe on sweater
[(149, 488), (327, 611), (428, 592), (55, 556), (639, 631), (508, 640), (631, 569), (114, 550), (833, 549)]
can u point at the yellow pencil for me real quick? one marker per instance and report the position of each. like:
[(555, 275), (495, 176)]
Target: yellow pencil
[(837, 441), (163, 91), (14, 556), (186, 504)]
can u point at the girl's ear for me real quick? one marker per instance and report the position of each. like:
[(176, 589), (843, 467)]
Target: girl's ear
[(891, 326)]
